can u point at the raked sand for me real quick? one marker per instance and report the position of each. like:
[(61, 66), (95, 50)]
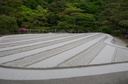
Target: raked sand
[(64, 58)]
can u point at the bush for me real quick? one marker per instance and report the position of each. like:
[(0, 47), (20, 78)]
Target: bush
[(7, 24), (106, 29), (123, 31), (126, 36)]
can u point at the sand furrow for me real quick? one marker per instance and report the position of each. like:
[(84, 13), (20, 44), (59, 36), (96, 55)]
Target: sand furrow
[(57, 59), (43, 55), (85, 57), (39, 45)]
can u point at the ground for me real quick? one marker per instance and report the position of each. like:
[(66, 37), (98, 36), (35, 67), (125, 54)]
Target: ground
[(63, 57)]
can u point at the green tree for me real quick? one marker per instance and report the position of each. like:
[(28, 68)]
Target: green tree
[(76, 20), (106, 29), (30, 3), (115, 15), (90, 7), (10, 7), (52, 19), (57, 6), (124, 24), (7, 24)]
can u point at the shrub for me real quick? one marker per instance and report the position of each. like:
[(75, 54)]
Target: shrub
[(106, 29), (7, 24), (126, 36)]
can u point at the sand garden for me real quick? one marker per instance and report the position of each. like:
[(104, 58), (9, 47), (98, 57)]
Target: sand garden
[(63, 58)]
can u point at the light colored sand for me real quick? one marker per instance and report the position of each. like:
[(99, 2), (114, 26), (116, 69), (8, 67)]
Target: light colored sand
[(12, 38), (23, 62), (43, 44), (23, 42), (111, 78), (35, 51), (56, 60), (22, 74), (121, 55), (105, 56), (65, 49), (86, 56), (120, 42), (31, 44), (1, 38), (28, 39)]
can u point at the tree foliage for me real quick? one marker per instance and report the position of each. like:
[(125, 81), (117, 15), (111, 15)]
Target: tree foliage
[(7, 24), (9, 7), (67, 15)]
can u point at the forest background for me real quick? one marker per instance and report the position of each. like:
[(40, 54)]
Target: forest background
[(109, 16)]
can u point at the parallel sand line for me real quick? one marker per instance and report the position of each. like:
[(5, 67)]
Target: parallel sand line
[(40, 74), (110, 41), (25, 42), (19, 50), (55, 60), (21, 35), (25, 37), (34, 40), (35, 51), (9, 44), (23, 74), (121, 55), (20, 46), (17, 37), (84, 57), (1, 38), (105, 56), (32, 59)]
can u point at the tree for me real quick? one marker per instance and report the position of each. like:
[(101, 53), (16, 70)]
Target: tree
[(30, 3), (91, 7), (105, 29), (52, 19), (57, 6), (7, 24), (9, 7), (49, 1), (124, 24), (76, 20), (115, 14), (69, 11)]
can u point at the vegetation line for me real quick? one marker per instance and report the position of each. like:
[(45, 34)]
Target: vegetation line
[(74, 16)]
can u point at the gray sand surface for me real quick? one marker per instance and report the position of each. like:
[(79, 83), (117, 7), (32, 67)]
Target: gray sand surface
[(69, 52), (111, 78), (120, 42)]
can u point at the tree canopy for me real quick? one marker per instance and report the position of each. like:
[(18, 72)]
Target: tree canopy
[(67, 15)]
